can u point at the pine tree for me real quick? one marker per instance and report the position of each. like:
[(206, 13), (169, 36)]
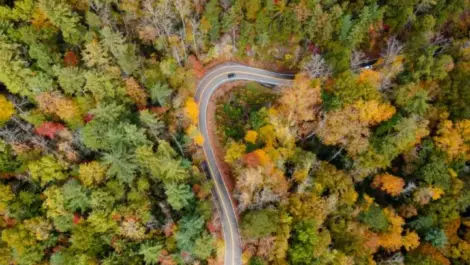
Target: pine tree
[(13, 72), (62, 16), (155, 126), (76, 198), (189, 229), (151, 252), (120, 165), (71, 80), (160, 93), (94, 55), (178, 195), (204, 246)]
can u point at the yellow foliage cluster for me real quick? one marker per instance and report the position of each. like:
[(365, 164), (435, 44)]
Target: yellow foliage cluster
[(7, 109), (368, 201), (6, 195), (191, 110), (263, 158), (251, 136), (136, 92), (267, 134), (373, 112), (300, 104), (195, 134), (453, 138), (461, 251), (39, 19), (411, 240), (421, 132), (426, 194), (53, 103), (392, 239), (370, 76), (234, 152), (40, 227), (358, 117), (388, 183), (91, 173)]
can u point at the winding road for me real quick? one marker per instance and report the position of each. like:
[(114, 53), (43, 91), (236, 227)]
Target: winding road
[(205, 89)]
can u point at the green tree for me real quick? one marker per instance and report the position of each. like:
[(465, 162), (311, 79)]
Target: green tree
[(151, 252), (259, 223), (13, 72), (436, 237), (26, 248), (160, 94), (6, 195), (155, 126), (413, 98), (85, 241), (456, 93), (189, 229), (62, 16), (178, 195), (304, 241), (21, 11), (204, 246), (8, 163), (76, 198), (71, 80), (211, 15), (124, 53), (120, 165), (375, 218)]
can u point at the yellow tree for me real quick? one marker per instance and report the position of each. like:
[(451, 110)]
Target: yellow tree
[(251, 136), (424, 195), (64, 108), (373, 112), (410, 240), (91, 173), (370, 76), (349, 126), (453, 138), (7, 109), (191, 110), (234, 152), (388, 183), (195, 134), (300, 104), (392, 239)]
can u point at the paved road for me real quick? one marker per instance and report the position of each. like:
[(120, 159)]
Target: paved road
[(206, 87)]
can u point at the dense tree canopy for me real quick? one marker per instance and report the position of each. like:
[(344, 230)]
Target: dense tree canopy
[(364, 160)]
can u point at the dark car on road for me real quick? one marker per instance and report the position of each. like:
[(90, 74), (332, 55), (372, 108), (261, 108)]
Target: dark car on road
[(231, 75)]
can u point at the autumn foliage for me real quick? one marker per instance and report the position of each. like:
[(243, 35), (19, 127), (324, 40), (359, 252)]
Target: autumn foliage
[(390, 184), (136, 93), (56, 104), (50, 129), (7, 109)]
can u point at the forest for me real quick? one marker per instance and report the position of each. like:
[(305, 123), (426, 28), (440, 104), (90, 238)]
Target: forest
[(363, 160)]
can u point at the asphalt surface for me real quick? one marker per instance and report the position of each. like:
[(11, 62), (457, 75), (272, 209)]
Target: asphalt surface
[(205, 89)]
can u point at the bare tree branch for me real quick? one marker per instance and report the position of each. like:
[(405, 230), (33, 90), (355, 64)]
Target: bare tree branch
[(317, 67)]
